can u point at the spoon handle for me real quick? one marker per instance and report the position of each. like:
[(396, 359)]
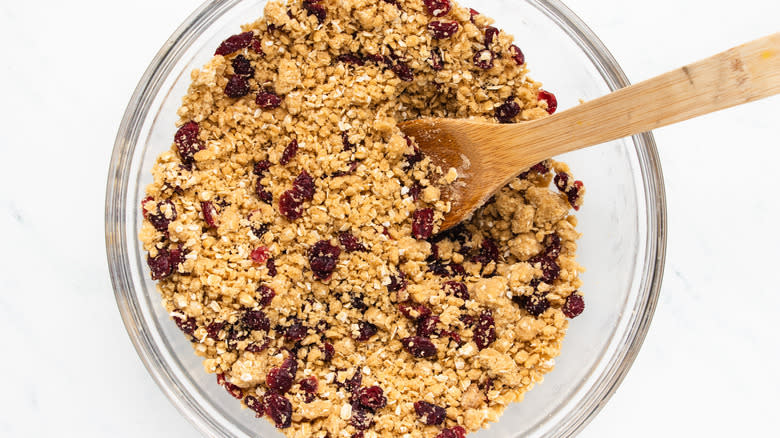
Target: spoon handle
[(742, 74)]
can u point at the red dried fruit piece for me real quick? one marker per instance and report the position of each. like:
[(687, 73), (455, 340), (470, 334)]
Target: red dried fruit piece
[(291, 205), (264, 195), (372, 398), (429, 413), (214, 328), (443, 29), (261, 167), (237, 86), (485, 331), (234, 43), (280, 380), (289, 152), (323, 258), (535, 304), (436, 59), (256, 320), (365, 331), (358, 434), (271, 266), (304, 186), (187, 325), (361, 419), (296, 332), (419, 347), (415, 191), (345, 140), (427, 326), (279, 409), (573, 306), (314, 7), (490, 35), (267, 100), (438, 8), (260, 254), (488, 252), (473, 13), (328, 351), (422, 225), (242, 66), (255, 348), (403, 71), (309, 387), (255, 404), (455, 432), (209, 213), (166, 213), (507, 111), (574, 194), (145, 201), (552, 102), (187, 142), (397, 282), (550, 268), (377, 58), (350, 58), (164, 264), (415, 312), (541, 168), (517, 54), (353, 383), (232, 389), (350, 242), (552, 245), (456, 289), (257, 45), (265, 295), (484, 59), (561, 181)]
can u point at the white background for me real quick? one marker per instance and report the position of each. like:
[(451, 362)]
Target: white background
[(709, 366)]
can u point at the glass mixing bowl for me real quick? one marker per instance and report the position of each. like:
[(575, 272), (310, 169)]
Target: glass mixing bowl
[(623, 224)]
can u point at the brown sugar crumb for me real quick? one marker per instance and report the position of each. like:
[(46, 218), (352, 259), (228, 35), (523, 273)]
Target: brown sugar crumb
[(292, 227)]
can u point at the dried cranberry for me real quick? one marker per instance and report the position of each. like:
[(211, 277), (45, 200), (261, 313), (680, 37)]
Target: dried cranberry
[(345, 140), (291, 205), (164, 264), (507, 111), (280, 380), (397, 282), (443, 29), (264, 195), (372, 398), (353, 383), (403, 71), (315, 7), (350, 242), (535, 304), (257, 45), (473, 13), (323, 258), (422, 226), (361, 418), (365, 331), (328, 351), (419, 347), (552, 245), (160, 220), (145, 201), (377, 58), (209, 213), (271, 266), (309, 386), (490, 35), (279, 409), (214, 328), (304, 186), (488, 252), (187, 142), (415, 312), (455, 432), (552, 102), (550, 268), (256, 320), (265, 295), (573, 306), (427, 326), (484, 59), (289, 152), (541, 168), (255, 348), (187, 325), (415, 191), (456, 289), (260, 254), (561, 181), (267, 100), (350, 58), (296, 332), (242, 66), (233, 390), (517, 54), (574, 194), (357, 303), (438, 8), (437, 59), (237, 86), (234, 43), (256, 405), (429, 413), (485, 331)]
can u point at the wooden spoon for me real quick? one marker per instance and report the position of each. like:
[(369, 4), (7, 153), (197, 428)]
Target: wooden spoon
[(487, 155)]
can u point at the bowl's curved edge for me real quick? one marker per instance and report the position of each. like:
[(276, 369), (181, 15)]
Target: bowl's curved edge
[(655, 251)]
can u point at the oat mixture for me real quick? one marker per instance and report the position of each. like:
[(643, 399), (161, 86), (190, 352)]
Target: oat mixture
[(293, 228)]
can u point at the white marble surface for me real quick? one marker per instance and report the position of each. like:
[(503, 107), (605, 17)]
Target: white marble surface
[(709, 364)]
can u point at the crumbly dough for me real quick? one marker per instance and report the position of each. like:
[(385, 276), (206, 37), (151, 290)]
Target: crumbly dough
[(217, 247)]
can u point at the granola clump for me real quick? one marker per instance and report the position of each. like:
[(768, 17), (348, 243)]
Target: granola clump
[(293, 228)]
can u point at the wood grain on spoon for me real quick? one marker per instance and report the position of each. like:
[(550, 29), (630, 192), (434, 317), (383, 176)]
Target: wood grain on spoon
[(487, 155)]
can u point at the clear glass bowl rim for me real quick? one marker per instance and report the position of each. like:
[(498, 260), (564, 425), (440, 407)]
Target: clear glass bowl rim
[(117, 192)]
